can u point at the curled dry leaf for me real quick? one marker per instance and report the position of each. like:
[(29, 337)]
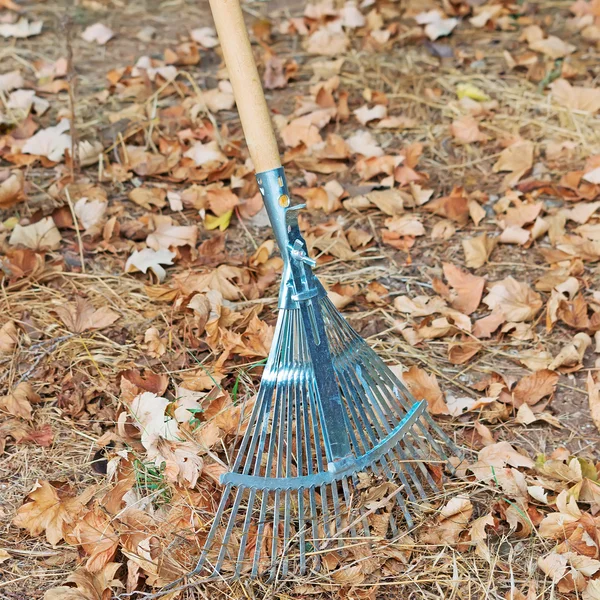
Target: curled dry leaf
[(8, 337), (89, 586), (425, 387), (96, 536), (12, 190), (576, 98), (593, 389), (466, 130), (478, 250), (51, 511), (517, 159), (18, 401), (497, 456)]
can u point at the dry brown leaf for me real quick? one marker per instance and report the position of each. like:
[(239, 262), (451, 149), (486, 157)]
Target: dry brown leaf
[(593, 389), (8, 337), (425, 387), (483, 328), (497, 456), (532, 388), (516, 300), (96, 536), (466, 130), (167, 236), (576, 98), (18, 401), (11, 190), (89, 586), (467, 288), (149, 197), (517, 159), (51, 511), (83, 316), (461, 352), (478, 250), (37, 236), (391, 201)]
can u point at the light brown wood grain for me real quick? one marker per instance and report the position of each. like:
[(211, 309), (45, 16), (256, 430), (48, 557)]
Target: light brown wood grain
[(247, 88)]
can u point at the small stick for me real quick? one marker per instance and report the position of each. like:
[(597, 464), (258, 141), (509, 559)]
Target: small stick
[(71, 80), (77, 232)]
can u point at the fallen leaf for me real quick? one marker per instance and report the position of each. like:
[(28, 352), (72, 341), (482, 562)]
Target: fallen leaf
[(461, 352), (532, 388), (206, 155), (18, 401), (83, 316), (425, 387), (148, 197), (593, 389), (41, 235), (467, 289), (518, 159), (435, 25), (363, 143), (205, 36), (554, 565), (391, 201), (497, 456), (51, 511), (221, 222), (553, 47), (97, 538), (21, 29), (142, 260), (90, 213), (50, 142), (12, 190), (576, 98), (89, 586), (468, 90), (478, 250), (365, 114), (98, 33), (516, 300), (167, 236), (466, 130), (8, 337)]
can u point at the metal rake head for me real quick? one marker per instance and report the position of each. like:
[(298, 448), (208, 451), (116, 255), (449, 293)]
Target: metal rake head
[(329, 417), (281, 502)]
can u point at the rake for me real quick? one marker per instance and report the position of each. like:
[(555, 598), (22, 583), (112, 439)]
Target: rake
[(330, 417)]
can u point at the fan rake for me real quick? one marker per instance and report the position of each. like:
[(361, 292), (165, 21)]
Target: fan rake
[(330, 417)]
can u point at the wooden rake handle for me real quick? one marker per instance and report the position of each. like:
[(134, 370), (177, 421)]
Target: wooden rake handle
[(247, 89)]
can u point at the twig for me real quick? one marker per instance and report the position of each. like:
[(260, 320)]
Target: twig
[(77, 232), (71, 80)]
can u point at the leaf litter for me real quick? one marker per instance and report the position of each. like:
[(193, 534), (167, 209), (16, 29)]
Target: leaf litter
[(455, 226)]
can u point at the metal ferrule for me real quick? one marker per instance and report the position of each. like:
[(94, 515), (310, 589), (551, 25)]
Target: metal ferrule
[(284, 220)]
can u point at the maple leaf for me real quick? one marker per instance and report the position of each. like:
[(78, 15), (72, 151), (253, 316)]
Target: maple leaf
[(37, 236), (12, 190), (51, 510), (18, 401), (98, 33), (466, 130), (576, 98), (453, 519), (148, 259), (496, 456), (8, 337), (425, 387), (21, 29), (518, 159), (205, 36), (50, 142), (467, 288), (96, 536), (89, 586), (516, 300), (532, 388), (478, 250), (83, 316), (167, 236)]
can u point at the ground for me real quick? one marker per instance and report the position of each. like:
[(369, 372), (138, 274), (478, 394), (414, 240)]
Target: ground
[(479, 193)]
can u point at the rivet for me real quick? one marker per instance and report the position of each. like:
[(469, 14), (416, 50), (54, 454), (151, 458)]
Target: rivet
[(284, 201)]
